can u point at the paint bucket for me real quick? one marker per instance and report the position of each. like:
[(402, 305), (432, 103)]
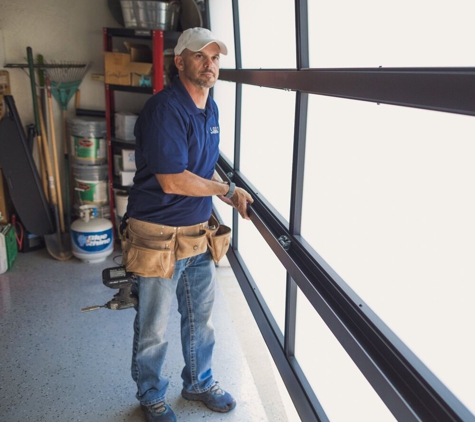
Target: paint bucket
[(88, 150), (91, 184), (88, 140)]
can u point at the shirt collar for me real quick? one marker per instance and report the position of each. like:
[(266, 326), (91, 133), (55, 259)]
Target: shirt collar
[(187, 101)]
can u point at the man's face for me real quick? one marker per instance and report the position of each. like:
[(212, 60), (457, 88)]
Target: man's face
[(201, 68)]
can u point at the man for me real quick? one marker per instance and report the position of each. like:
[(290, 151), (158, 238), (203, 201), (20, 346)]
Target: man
[(166, 240)]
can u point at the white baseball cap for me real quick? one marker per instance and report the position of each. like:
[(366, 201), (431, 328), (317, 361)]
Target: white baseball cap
[(195, 39)]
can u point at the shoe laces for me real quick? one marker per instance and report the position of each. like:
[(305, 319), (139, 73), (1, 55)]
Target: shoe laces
[(158, 408), (216, 390)]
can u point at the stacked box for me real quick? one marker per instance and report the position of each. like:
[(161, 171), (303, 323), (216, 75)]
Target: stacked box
[(127, 178), (116, 68), (128, 160), (8, 247), (131, 68), (124, 125), (129, 168)]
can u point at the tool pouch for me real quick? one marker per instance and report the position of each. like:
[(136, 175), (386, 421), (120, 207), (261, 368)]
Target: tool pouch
[(219, 238), (189, 245), (150, 250), (148, 255)]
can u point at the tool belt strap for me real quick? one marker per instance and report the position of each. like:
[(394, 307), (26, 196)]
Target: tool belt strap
[(150, 250)]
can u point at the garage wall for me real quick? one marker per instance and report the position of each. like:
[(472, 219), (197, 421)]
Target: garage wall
[(61, 30)]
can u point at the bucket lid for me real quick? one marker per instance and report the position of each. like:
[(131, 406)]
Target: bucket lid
[(87, 126), (94, 172)]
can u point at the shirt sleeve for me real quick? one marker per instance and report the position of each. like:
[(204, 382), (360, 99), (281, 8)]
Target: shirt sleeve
[(164, 140)]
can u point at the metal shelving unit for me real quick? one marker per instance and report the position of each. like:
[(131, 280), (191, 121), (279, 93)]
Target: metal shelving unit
[(161, 40)]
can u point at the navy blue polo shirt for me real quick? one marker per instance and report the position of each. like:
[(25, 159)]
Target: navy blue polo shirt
[(173, 135)]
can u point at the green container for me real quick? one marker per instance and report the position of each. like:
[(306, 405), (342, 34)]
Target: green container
[(8, 247)]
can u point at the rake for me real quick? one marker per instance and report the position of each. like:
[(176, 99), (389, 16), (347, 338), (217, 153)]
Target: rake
[(65, 80)]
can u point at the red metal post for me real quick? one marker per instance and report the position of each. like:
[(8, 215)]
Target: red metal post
[(158, 70)]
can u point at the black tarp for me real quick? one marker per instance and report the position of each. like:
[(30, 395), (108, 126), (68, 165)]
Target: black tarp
[(21, 174)]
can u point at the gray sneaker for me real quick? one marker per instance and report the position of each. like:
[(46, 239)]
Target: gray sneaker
[(158, 412), (215, 398)]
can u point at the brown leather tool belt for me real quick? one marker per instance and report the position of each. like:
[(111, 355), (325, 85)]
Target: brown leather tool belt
[(150, 250)]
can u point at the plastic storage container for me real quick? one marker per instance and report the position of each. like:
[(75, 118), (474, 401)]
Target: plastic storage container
[(121, 201), (8, 247)]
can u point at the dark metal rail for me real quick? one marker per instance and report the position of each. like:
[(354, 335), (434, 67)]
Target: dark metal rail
[(407, 387), (442, 89)]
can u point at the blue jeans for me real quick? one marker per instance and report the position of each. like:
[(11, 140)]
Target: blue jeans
[(194, 281)]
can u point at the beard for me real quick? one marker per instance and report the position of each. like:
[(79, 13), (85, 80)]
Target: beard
[(201, 80)]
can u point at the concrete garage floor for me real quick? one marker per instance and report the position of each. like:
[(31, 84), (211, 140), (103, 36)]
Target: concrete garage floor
[(61, 364)]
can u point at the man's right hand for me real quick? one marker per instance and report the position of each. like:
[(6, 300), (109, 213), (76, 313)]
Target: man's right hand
[(240, 200)]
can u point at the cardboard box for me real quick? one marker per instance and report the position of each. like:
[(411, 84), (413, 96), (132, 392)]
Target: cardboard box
[(116, 70), (141, 74), (131, 68), (4, 82), (141, 64), (4, 89), (97, 77), (139, 52)]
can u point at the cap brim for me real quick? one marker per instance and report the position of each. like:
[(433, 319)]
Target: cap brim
[(199, 45)]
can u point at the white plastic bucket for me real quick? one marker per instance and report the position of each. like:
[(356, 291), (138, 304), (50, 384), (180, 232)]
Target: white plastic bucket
[(121, 200)]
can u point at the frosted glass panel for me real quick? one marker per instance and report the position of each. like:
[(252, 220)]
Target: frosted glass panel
[(333, 375), (265, 268), (224, 93), (224, 210), (267, 143), (372, 33), (267, 34), (221, 24), (389, 204)]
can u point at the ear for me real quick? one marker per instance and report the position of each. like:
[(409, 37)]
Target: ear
[(179, 63)]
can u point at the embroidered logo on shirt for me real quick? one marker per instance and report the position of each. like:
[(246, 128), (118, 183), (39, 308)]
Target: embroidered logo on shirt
[(214, 130)]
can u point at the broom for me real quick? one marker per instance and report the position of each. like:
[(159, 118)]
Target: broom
[(59, 243), (65, 80)]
